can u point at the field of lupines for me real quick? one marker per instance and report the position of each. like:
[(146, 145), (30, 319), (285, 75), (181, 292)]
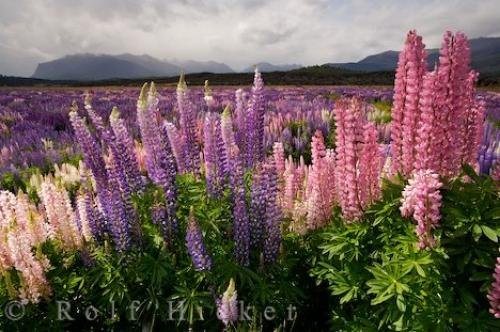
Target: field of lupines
[(287, 208)]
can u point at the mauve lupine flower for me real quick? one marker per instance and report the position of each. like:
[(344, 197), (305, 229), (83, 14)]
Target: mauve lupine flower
[(195, 245), (405, 113), (60, 215), (188, 127), (494, 292), (272, 225), (228, 137), (422, 200), (227, 304), (240, 121), (495, 172), (125, 144), (321, 183), (177, 143), (241, 224), (209, 98), (83, 217)]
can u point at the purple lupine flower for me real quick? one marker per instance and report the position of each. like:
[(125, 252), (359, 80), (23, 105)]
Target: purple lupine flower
[(125, 143), (490, 148), (95, 220), (210, 157), (195, 245), (160, 161), (93, 160), (104, 133), (258, 207), (241, 227), (222, 155), (272, 226), (168, 163), (255, 122), (118, 219), (188, 127), (215, 155), (92, 154), (227, 304)]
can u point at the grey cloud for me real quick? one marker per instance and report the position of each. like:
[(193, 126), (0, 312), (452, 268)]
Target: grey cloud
[(265, 37), (235, 32)]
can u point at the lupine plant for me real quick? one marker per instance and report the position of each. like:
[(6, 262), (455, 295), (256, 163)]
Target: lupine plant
[(328, 208)]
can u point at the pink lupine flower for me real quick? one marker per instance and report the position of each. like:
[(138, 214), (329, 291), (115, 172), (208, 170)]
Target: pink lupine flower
[(452, 76), (21, 229), (32, 223), (472, 129), (370, 163), (422, 200), (405, 114), (290, 187), (429, 133), (279, 162), (279, 157), (494, 293), (34, 284), (60, 215), (320, 186), (140, 155), (7, 216), (358, 159)]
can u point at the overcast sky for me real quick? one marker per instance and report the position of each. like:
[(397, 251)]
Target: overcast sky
[(239, 33)]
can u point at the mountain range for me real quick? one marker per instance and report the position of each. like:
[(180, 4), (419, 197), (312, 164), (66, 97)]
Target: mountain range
[(91, 67), (485, 54)]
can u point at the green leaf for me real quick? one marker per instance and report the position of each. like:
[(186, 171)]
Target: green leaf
[(490, 233), (400, 302), (476, 232)]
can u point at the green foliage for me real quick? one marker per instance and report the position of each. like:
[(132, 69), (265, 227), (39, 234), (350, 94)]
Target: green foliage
[(382, 112), (381, 280), (158, 277)]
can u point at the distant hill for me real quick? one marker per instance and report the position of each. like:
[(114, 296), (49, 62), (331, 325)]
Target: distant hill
[(91, 67), (485, 58), (266, 67), (191, 66)]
